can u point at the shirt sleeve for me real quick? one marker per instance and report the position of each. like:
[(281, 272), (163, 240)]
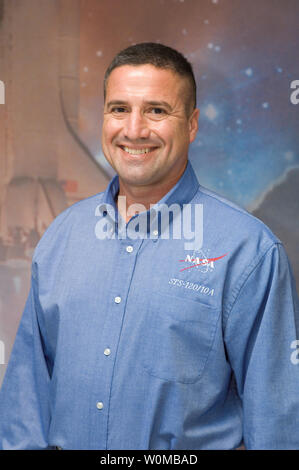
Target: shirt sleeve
[(261, 338), (24, 395)]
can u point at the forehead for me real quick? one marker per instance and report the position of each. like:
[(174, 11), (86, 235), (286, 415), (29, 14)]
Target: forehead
[(144, 81)]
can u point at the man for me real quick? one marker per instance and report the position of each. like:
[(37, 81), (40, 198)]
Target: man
[(132, 337)]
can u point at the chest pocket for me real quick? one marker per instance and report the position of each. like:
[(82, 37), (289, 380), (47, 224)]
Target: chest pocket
[(178, 338)]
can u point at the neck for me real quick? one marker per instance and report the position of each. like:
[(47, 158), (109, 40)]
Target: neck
[(145, 196)]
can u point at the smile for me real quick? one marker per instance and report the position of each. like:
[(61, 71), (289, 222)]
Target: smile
[(133, 151)]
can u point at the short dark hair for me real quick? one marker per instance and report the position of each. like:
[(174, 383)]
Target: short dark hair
[(159, 56)]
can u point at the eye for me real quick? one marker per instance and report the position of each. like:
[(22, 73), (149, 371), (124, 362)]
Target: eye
[(118, 109), (157, 111)]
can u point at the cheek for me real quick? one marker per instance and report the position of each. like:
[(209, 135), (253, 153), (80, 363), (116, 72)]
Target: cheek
[(105, 132), (165, 131), (176, 137), (110, 129)]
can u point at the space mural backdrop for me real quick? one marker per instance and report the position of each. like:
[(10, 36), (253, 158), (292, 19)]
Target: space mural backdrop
[(245, 55)]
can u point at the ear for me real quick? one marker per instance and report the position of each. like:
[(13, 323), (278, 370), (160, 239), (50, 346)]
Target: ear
[(193, 124)]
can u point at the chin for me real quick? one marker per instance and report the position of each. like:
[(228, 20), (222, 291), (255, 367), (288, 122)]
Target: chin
[(136, 180), (136, 177)]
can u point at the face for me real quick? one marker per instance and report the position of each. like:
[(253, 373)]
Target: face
[(147, 130)]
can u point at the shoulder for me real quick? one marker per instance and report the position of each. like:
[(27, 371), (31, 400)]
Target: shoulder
[(233, 220), (244, 239), (64, 223)]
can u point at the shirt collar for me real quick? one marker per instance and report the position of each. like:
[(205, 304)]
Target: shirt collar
[(181, 193)]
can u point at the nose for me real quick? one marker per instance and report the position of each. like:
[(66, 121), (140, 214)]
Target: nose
[(136, 126)]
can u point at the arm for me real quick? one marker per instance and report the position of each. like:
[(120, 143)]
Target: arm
[(24, 396), (261, 328)]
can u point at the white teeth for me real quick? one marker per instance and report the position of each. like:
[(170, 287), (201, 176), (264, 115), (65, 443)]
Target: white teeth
[(136, 151)]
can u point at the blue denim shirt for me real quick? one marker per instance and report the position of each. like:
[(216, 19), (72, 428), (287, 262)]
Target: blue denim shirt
[(147, 348)]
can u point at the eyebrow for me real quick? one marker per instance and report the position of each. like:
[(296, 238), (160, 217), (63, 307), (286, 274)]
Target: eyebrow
[(152, 103), (160, 103), (116, 102)]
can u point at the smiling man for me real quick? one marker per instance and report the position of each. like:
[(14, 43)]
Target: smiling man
[(149, 122), (130, 341)]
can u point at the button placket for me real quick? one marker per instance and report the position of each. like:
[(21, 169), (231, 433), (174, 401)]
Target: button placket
[(124, 260)]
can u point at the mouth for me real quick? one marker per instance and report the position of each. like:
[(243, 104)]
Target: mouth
[(137, 151)]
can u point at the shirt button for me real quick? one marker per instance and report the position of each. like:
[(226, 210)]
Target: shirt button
[(107, 352), (117, 300), (155, 232), (100, 405), (129, 249)]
